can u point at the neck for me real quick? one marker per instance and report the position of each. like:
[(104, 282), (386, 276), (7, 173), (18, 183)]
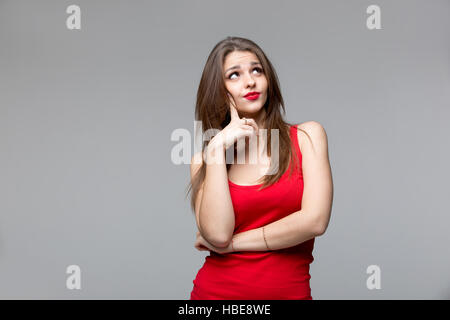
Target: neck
[(259, 119)]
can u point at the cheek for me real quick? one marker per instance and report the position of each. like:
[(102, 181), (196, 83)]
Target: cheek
[(233, 90), (265, 83)]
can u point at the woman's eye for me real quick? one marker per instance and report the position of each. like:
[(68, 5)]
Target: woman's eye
[(259, 70), (236, 73)]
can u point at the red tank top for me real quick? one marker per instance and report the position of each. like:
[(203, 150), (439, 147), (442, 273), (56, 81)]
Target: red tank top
[(260, 275)]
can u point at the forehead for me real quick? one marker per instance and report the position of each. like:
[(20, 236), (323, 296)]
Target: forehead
[(239, 58)]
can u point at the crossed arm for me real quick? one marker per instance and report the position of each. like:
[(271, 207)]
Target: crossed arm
[(312, 220)]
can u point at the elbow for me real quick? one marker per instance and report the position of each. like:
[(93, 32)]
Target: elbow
[(320, 230), (223, 243), (219, 242), (320, 227), (217, 239)]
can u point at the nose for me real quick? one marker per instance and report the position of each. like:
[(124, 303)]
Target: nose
[(250, 81)]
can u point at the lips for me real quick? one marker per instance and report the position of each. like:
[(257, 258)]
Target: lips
[(252, 95)]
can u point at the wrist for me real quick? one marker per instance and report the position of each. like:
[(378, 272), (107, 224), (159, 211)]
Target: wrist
[(216, 142), (215, 152), (232, 246)]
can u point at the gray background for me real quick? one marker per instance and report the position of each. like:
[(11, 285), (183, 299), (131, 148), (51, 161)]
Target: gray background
[(86, 117)]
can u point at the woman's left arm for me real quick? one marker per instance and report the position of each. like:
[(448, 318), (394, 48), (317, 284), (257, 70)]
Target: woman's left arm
[(313, 218)]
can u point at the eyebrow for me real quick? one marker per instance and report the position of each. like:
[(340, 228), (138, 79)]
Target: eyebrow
[(238, 66)]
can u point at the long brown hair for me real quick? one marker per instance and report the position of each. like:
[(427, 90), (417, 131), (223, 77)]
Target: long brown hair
[(213, 111)]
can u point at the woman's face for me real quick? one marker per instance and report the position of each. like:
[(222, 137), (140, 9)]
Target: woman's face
[(243, 74)]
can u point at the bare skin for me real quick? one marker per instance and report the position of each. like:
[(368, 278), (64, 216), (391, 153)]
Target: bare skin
[(239, 81), (310, 221)]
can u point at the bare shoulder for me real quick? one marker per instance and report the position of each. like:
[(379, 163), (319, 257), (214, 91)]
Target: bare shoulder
[(312, 136)]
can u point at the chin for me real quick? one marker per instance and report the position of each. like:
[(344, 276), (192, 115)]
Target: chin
[(251, 109)]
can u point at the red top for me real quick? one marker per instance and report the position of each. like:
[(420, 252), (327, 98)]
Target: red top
[(260, 275)]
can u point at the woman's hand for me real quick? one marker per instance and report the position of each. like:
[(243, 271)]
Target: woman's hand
[(202, 245), (237, 129)]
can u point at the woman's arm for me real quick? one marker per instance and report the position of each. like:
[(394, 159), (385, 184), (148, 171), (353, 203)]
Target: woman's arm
[(287, 232), (216, 214), (312, 220)]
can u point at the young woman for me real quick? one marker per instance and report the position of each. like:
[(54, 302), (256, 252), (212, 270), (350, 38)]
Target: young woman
[(259, 228)]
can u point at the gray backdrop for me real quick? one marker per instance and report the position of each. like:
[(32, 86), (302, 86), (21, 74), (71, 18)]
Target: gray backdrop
[(86, 118)]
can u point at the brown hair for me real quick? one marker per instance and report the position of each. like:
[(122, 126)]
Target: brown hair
[(212, 108)]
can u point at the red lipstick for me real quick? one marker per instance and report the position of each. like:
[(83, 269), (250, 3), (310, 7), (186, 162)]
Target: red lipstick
[(252, 95)]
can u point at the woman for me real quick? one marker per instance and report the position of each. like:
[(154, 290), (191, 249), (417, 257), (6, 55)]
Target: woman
[(259, 228)]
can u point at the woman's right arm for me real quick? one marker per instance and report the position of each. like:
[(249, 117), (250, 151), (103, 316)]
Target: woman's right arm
[(213, 207), (214, 212)]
